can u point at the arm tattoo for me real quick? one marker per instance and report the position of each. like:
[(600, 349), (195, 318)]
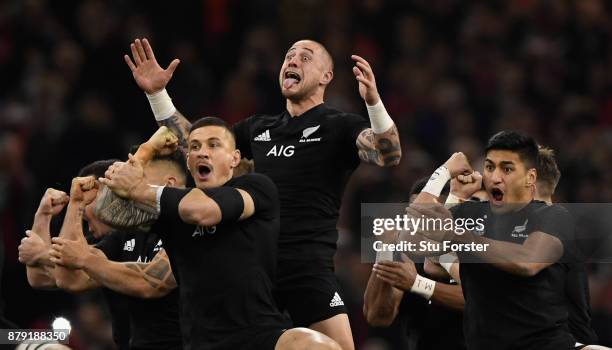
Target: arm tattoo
[(180, 126), (381, 149), (124, 214), (157, 273)]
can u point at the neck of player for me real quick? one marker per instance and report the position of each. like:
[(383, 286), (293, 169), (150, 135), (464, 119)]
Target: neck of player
[(301, 106)]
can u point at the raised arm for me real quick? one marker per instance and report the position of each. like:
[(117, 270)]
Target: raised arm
[(379, 144), (34, 248), (381, 299), (152, 79), (82, 192), (144, 280), (123, 214)]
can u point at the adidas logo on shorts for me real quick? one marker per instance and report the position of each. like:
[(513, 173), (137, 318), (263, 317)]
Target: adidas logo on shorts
[(336, 300), (264, 136)]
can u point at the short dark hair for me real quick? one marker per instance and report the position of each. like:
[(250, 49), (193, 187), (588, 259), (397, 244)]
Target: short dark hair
[(524, 145), (97, 168), (177, 158), (548, 172), (212, 121)]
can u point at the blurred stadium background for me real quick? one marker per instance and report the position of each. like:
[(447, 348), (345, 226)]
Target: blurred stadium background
[(450, 73)]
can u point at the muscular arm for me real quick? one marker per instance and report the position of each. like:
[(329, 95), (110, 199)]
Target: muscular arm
[(381, 302), (40, 275), (143, 280), (538, 251), (381, 149), (179, 125), (73, 280)]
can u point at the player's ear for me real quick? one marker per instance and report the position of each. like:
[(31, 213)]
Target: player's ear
[(532, 176), (326, 78), (235, 158), (171, 181)]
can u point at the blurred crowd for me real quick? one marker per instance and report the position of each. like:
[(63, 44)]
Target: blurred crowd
[(450, 72)]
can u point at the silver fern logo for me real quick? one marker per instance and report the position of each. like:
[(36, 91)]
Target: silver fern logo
[(309, 131)]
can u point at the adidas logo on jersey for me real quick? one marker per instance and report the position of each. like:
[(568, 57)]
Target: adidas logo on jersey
[(264, 136), (158, 246), (309, 131), (336, 300), (129, 245)]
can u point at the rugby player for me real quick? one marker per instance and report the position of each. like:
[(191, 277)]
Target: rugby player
[(515, 291), (309, 151), (424, 313), (130, 265), (221, 238)]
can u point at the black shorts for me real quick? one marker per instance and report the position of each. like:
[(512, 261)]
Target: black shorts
[(308, 292)]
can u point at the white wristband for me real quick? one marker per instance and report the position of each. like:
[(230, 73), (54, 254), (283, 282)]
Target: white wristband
[(158, 195), (437, 181), (161, 105), (447, 260), (453, 200), (379, 118), (423, 286), (384, 255)]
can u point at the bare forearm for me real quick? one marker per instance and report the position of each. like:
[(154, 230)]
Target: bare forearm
[(180, 126), (115, 276), (39, 277), (381, 302), (40, 226), (124, 214), (510, 257), (448, 295), (388, 145)]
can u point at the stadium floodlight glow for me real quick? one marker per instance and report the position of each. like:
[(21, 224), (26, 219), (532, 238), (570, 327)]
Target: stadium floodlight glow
[(60, 323)]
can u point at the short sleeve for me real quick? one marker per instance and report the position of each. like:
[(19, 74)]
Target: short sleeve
[(556, 221), (242, 131), (110, 245), (263, 191)]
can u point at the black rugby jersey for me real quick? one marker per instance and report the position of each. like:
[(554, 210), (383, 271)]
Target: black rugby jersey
[(225, 272), (310, 158), (507, 311), (153, 323)]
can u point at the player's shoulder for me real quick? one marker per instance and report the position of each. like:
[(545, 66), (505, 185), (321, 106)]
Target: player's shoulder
[(254, 179), (335, 114), (470, 208)]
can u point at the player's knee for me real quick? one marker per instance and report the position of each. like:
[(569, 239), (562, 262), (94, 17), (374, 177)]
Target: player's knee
[(304, 338)]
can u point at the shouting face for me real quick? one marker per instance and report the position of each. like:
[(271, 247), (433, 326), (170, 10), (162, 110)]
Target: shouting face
[(306, 70)]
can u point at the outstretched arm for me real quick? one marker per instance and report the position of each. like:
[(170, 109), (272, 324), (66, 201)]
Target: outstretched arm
[(379, 144), (152, 79), (144, 280)]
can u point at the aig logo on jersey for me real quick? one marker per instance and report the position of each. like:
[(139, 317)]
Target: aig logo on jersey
[(281, 151), (309, 131), (201, 231)]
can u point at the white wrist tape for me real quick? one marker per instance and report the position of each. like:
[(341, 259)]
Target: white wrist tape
[(379, 118), (158, 195), (384, 255), (453, 200), (161, 105), (423, 286), (437, 181), (447, 260)]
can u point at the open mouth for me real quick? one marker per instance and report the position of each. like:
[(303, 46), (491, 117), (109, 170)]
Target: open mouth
[(497, 195), (204, 170), (291, 78)]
